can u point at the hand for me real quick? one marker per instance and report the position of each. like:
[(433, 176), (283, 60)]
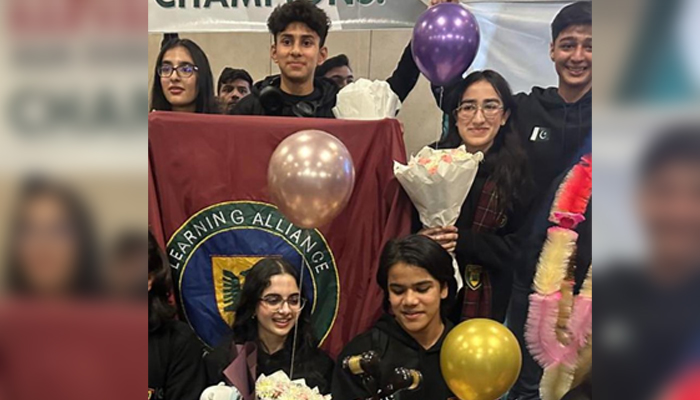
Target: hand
[(436, 2), (446, 236)]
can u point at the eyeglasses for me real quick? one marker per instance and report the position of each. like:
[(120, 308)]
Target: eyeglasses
[(275, 302), (468, 111), (183, 70)]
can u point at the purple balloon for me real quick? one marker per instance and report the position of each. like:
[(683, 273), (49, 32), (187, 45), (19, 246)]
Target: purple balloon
[(445, 41)]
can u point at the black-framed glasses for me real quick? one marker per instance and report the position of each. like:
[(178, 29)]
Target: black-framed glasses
[(468, 111), (275, 302), (183, 70)]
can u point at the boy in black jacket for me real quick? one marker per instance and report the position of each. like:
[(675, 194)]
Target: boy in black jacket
[(300, 30), (555, 121)]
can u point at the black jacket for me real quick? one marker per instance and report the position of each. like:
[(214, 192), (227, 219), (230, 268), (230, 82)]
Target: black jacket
[(553, 131), (396, 349), (314, 366), (323, 99), (175, 367), (405, 76), (266, 98)]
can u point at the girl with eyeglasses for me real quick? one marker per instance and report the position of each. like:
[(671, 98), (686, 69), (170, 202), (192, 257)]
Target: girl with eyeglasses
[(485, 238), (270, 306), (183, 80)]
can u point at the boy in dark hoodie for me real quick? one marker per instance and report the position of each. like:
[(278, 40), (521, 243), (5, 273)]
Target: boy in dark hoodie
[(555, 121), (417, 278), (299, 29)]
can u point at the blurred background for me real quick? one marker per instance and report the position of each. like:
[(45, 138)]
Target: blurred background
[(646, 187), (73, 198), (647, 78), (73, 104)]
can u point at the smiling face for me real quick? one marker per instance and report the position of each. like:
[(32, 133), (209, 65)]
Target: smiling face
[(480, 116), (279, 319), (180, 91), (297, 51), (572, 53), (415, 298)]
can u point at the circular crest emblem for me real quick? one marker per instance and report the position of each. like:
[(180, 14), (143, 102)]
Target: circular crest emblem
[(212, 252)]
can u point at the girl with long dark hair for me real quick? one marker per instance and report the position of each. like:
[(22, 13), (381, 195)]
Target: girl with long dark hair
[(175, 368), (53, 251), (484, 238), (183, 80), (271, 307)]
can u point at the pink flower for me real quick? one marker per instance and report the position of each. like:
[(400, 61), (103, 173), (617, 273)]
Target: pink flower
[(423, 161), (447, 158)]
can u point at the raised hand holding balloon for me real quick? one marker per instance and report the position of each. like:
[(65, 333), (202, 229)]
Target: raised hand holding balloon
[(445, 42), (311, 177)]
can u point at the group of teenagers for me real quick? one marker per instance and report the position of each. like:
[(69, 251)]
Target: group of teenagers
[(530, 141)]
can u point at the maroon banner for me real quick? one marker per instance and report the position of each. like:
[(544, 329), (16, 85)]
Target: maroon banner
[(65, 350), (208, 199)]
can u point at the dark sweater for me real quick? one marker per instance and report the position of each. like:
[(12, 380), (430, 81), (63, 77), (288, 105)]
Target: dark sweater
[(268, 99), (314, 366), (553, 131), (175, 368), (323, 98), (396, 348)]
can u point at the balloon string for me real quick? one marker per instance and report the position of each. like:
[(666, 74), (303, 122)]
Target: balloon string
[(296, 324), (442, 125)]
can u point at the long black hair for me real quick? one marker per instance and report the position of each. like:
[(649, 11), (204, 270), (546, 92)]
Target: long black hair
[(506, 159), (419, 251), (86, 279), (205, 101), (245, 327), (159, 308)]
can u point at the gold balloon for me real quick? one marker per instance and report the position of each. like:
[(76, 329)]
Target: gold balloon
[(480, 360), (310, 177)]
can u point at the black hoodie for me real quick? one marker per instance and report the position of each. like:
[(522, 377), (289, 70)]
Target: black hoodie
[(553, 131), (175, 367), (396, 348), (268, 99)]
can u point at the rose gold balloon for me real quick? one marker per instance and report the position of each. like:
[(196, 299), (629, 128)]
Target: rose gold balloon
[(310, 178)]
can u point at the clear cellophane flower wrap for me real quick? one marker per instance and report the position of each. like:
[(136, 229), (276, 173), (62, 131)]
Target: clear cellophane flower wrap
[(367, 100), (438, 182)]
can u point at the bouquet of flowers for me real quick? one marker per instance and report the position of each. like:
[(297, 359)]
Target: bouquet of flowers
[(438, 182), (278, 386), (367, 100)]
